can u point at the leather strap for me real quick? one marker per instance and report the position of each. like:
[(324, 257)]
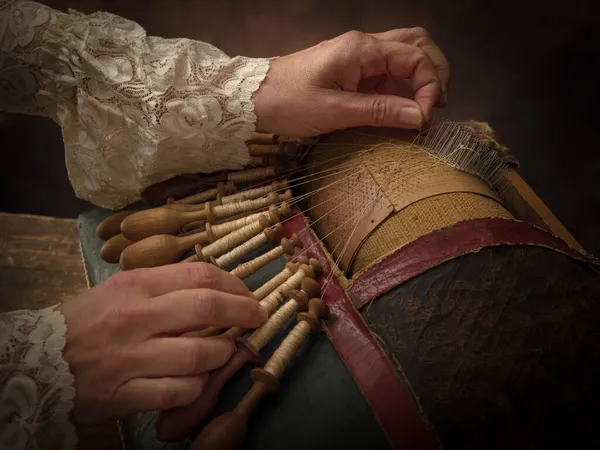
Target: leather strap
[(445, 244), (389, 398)]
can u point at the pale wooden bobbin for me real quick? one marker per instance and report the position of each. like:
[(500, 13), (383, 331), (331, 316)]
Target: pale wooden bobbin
[(272, 301), (276, 288), (242, 215), (259, 161), (261, 139), (163, 220), (217, 231), (222, 189), (111, 250), (287, 246), (165, 249), (252, 244), (248, 175), (179, 422), (289, 269), (111, 226), (254, 193), (159, 250), (229, 430), (260, 150), (233, 239)]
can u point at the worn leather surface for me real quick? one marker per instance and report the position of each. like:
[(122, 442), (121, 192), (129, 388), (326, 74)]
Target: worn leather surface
[(501, 347), (447, 243), (386, 393), (319, 405)]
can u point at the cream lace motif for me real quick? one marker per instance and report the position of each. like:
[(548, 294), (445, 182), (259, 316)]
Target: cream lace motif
[(134, 110), (36, 387)]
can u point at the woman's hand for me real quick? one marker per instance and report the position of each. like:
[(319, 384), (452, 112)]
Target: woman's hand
[(391, 79), (123, 337)]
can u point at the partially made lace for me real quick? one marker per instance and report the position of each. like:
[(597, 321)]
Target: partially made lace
[(134, 110), (36, 386)]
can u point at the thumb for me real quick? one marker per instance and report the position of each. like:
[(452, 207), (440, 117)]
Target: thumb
[(355, 109)]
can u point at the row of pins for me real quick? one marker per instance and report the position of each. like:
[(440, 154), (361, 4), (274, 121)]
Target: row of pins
[(470, 147)]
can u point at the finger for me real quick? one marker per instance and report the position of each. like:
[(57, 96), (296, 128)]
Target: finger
[(404, 61), (179, 356), (186, 310), (174, 277), (150, 394), (355, 109), (420, 38)]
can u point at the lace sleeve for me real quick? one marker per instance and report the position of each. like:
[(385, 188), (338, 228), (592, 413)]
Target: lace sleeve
[(134, 109), (36, 387)]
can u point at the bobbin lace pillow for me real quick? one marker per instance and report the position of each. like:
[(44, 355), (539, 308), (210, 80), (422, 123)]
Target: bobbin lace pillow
[(36, 387), (134, 110)]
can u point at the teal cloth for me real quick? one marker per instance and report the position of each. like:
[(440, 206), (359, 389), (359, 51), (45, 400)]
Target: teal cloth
[(319, 406)]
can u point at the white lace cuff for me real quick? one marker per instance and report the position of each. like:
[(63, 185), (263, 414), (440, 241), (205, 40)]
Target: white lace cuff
[(135, 110), (37, 389)]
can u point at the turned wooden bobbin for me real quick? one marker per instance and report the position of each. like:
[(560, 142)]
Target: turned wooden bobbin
[(289, 269), (252, 244), (255, 193), (228, 431), (111, 226), (290, 279), (276, 214), (179, 422), (287, 246), (165, 220), (272, 301), (159, 250), (222, 189), (111, 250), (261, 139), (262, 150), (235, 238)]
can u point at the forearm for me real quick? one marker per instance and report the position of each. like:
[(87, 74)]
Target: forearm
[(134, 110)]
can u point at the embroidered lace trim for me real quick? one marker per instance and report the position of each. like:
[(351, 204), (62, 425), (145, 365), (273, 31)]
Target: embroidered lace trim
[(36, 386), (134, 110)]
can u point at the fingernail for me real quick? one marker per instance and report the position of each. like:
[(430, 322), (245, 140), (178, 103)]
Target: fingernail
[(412, 117), (263, 314)]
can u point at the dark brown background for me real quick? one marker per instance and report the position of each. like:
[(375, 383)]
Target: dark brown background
[(528, 68)]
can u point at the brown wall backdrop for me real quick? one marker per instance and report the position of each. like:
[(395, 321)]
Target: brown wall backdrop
[(528, 68)]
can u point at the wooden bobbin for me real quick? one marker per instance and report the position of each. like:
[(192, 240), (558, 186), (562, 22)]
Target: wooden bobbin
[(235, 238), (178, 423), (261, 139), (164, 220), (273, 292), (254, 193), (276, 214), (111, 250), (268, 235), (287, 246), (221, 189), (261, 150), (248, 175), (159, 250), (258, 161), (298, 299), (275, 282), (272, 301), (111, 226), (194, 226), (229, 430)]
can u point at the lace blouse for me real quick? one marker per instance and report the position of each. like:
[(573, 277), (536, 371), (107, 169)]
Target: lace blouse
[(134, 110)]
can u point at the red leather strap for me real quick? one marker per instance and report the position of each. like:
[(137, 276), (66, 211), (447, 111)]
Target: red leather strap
[(448, 243), (388, 397)]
